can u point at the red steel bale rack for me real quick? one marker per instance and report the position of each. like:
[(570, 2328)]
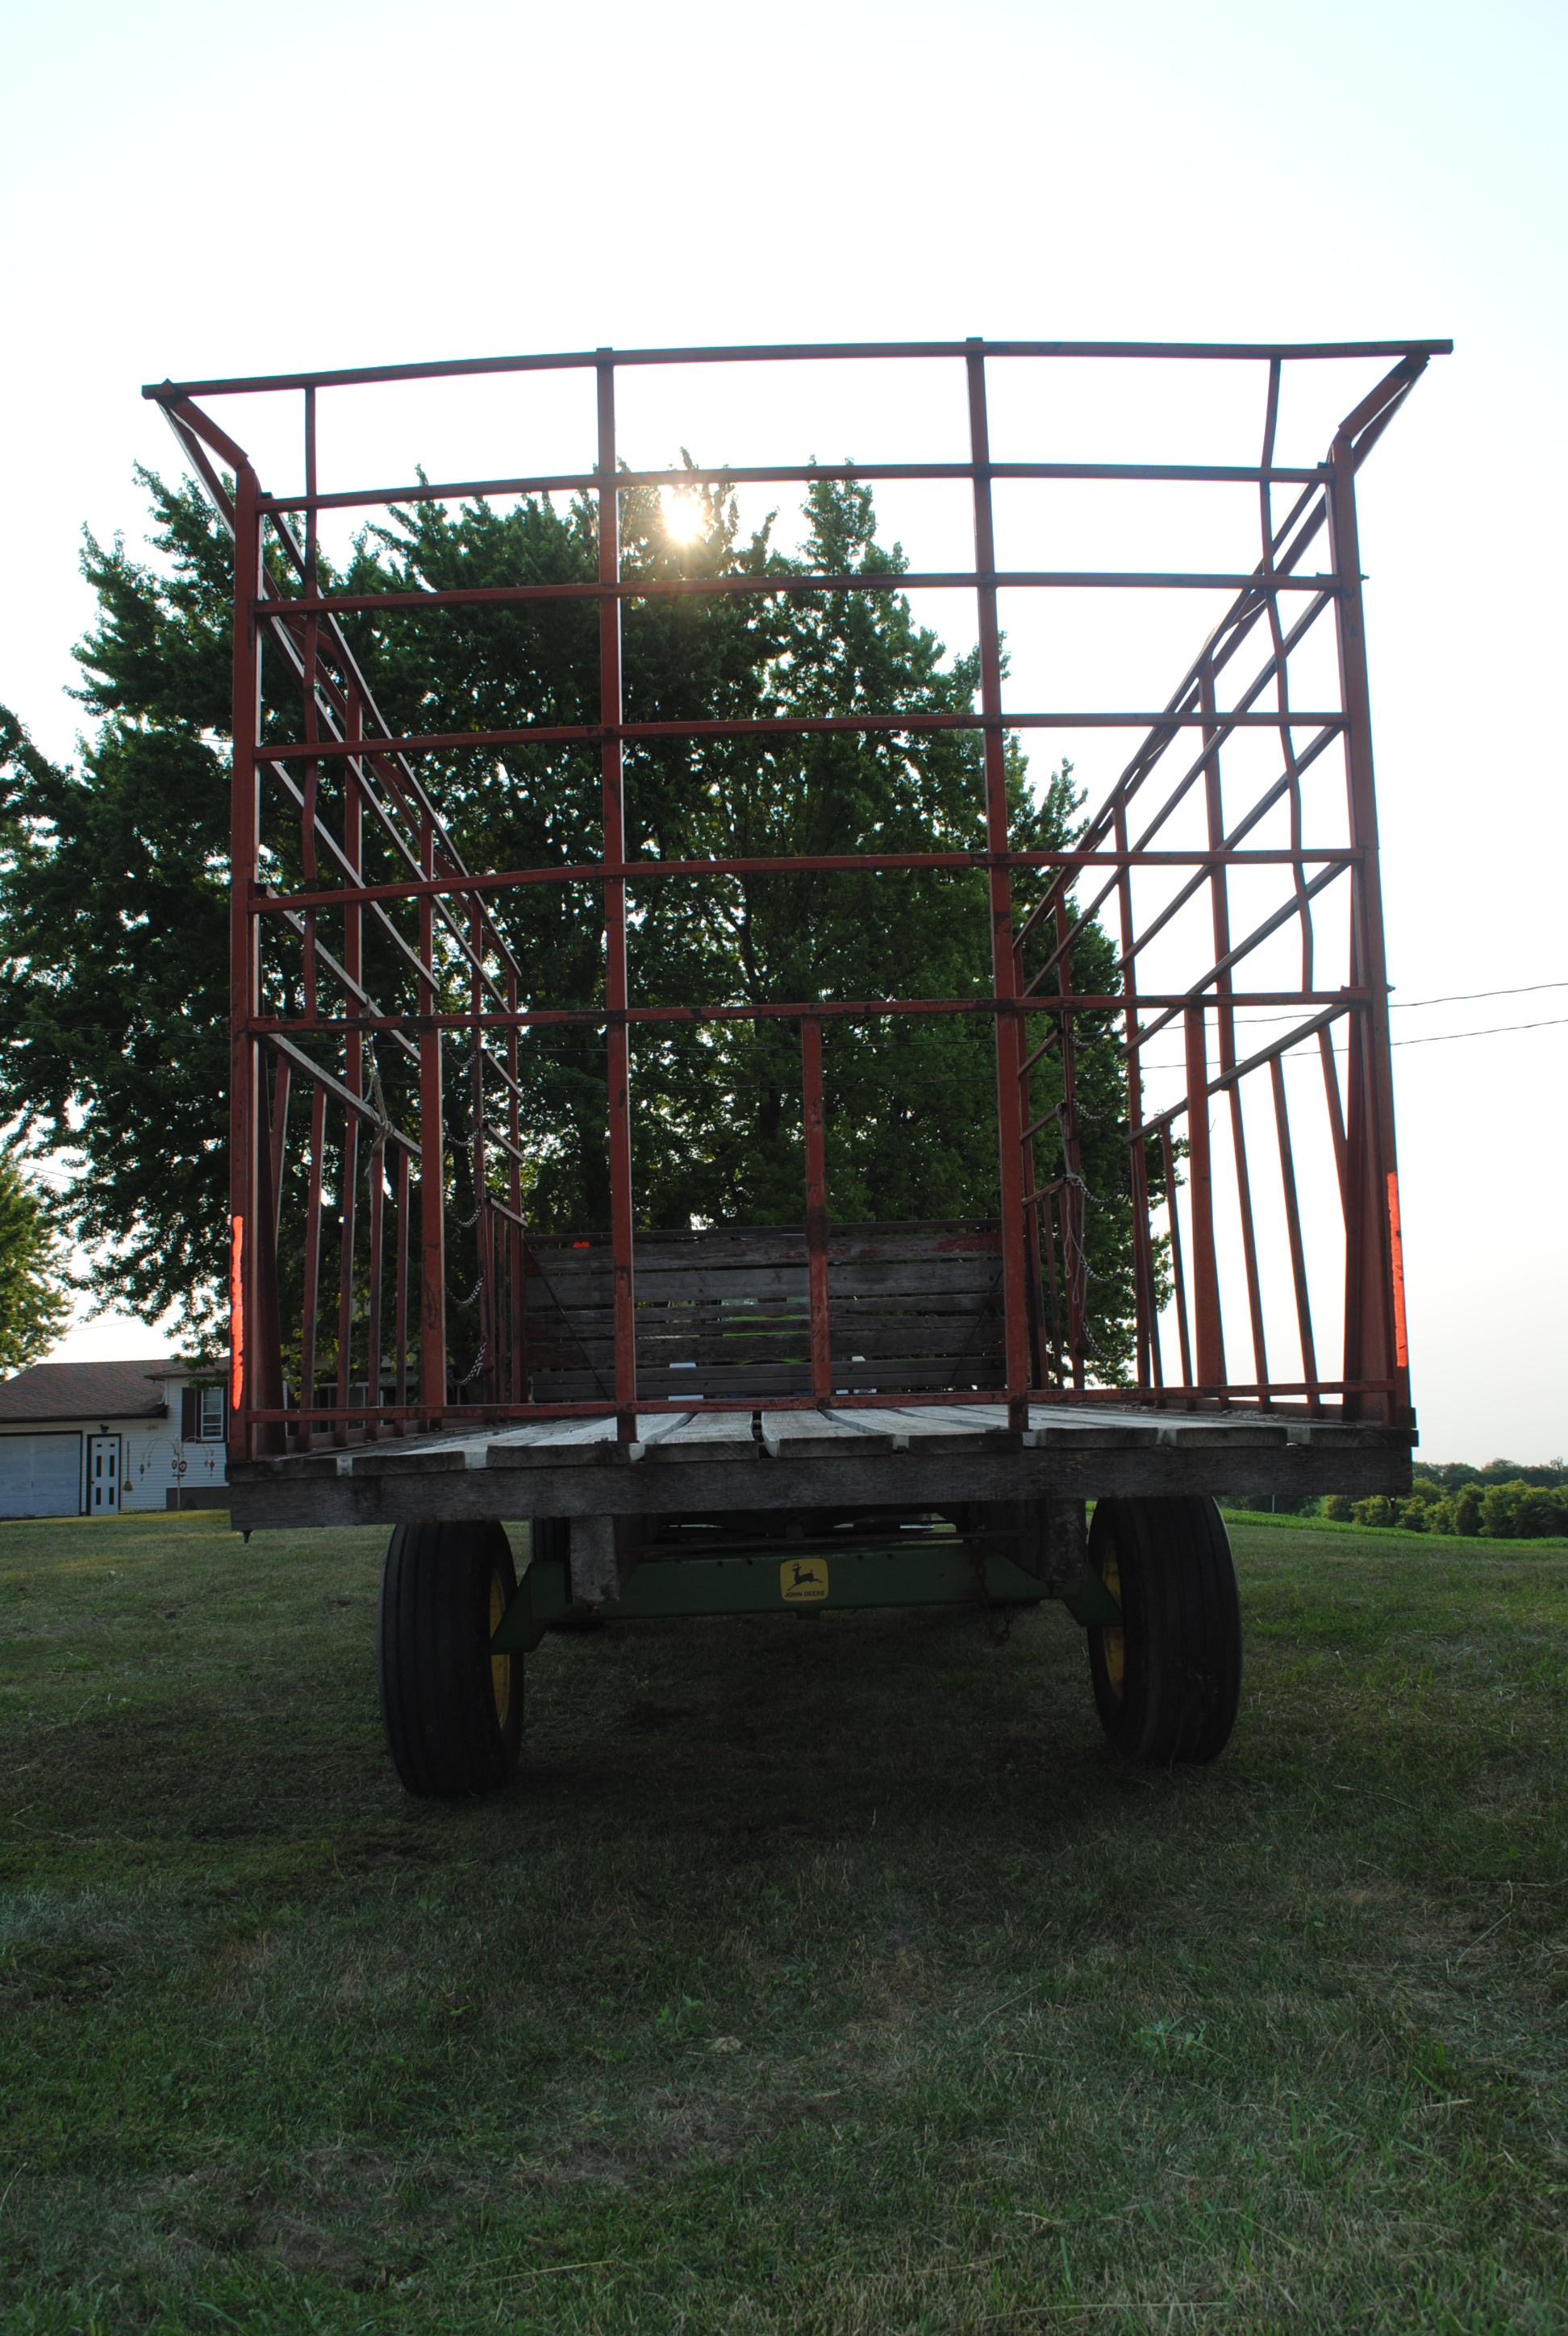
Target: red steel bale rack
[(1239, 825)]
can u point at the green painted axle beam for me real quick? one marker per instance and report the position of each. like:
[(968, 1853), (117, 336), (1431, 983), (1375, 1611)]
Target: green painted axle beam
[(803, 1581)]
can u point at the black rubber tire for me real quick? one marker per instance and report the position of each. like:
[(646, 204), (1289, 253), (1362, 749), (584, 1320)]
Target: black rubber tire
[(452, 1717), (1168, 1684)]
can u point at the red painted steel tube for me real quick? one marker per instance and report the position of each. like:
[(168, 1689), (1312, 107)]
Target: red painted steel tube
[(1004, 961), (785, 353), (433, 1368), (288, 904), (1208, 1336), (399, 1279), (517, 1358), (244, 974), (1293, 1228), (571, 483), (1370, 1324), (1225, 1019), (311, 1296), (783, 725), (279, 1135), (273, 1028), (375, 1237), (353, 1054), (772, 585), (618, 1050), (816, 1217), (1074, 1221)]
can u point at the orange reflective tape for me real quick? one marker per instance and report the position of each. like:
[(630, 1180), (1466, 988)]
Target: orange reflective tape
[(237, 1315), (1396, 1260)]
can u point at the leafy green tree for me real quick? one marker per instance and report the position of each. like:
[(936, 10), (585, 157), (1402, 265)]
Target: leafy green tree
[(33, 1304), (1377, 1509), (1499, 1511), (1467, 1511), (1543, 1510), (112, 891)]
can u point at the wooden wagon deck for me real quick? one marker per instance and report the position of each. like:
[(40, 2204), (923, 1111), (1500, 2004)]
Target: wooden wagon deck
[(896, 1454)]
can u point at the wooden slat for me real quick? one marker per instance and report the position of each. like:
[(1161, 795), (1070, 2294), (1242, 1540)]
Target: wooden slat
[(708, 1436), (916, 1278), (812, 1435)]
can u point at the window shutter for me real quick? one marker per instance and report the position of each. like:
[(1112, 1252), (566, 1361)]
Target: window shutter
[(189, 1416)]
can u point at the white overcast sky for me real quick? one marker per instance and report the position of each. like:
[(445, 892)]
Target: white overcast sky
[(210, 191)]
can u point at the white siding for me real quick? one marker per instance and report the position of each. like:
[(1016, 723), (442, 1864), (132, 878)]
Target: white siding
[(152, 1450)]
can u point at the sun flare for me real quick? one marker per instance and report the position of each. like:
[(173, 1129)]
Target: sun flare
[(682, 514)]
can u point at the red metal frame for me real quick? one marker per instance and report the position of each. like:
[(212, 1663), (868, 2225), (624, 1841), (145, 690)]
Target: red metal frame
[(348, 782)]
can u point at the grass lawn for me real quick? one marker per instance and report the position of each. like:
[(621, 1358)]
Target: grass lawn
[(822, 1975)]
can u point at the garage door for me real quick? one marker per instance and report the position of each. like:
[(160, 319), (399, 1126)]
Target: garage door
[(40, 1476)]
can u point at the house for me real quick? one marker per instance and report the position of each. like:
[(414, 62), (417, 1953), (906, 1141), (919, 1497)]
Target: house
[(92, 1439)]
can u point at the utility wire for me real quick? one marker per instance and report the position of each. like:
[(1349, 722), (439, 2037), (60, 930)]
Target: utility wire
[(1433, 1039), (1436, 1037), (1463, 996)]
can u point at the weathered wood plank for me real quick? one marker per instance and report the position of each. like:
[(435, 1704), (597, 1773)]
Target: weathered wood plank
[(708, 1436), (685, 1279), (814, 1436), (891, 1379)]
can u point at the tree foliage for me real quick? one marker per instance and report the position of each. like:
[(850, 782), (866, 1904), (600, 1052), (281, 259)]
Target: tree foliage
[(33, 1306), (112, 909)]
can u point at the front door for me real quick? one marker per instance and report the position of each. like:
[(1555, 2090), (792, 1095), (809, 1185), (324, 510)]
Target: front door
[(102, 1475)]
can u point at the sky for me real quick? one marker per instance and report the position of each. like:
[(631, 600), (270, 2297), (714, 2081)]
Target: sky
[(199, 192)]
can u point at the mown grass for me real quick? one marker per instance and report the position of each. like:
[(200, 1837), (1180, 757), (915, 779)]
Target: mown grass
[(822, 1975)]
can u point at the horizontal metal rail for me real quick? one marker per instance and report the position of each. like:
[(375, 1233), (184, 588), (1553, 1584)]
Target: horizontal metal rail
[(785, 353)]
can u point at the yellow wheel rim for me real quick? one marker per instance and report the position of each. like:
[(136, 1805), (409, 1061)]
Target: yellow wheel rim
[(500, 1665), (1113, 1642)]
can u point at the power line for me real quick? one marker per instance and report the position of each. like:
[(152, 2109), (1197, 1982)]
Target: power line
[(1463, 997), (1432, 1038), (1436, 1038)]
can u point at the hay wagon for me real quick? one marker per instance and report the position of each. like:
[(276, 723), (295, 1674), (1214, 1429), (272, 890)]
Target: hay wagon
[(715, 1418)]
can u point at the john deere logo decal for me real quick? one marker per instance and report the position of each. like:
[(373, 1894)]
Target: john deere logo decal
[(802, 1580)]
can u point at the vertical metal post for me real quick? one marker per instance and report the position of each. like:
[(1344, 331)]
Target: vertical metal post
[(244, 971), (1004, 963), (400, 1234), (816, 1207), (617, 1047), (1220, 904), (432, 1161), (1294, 1233), (484, 1253), (1075, 1214), (1371, 1344), (354, 1066), (376, 1233), (1207, 1336), (1178, 1269), (517, 1367)]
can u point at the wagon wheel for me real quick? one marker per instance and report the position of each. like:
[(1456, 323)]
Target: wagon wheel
[(1168, 1680), (452, 1710)]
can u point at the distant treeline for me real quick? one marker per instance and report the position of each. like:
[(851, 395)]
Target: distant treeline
[(1504, 1501)]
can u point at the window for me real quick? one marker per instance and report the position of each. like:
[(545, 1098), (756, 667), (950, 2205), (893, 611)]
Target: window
[(201, 1419)]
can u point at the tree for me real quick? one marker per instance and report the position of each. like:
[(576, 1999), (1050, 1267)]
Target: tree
[(112, 894), (33, 1307)]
